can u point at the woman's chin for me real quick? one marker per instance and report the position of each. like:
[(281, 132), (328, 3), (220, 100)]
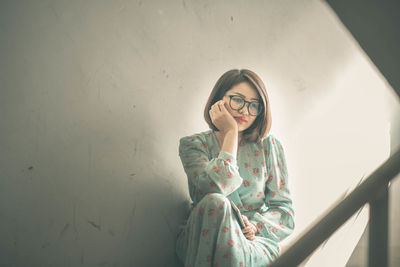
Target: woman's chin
[(241, 128)]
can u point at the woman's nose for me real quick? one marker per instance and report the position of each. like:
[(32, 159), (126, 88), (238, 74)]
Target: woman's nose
[(244, 110)]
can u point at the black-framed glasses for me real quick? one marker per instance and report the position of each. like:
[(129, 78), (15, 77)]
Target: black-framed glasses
[(237, 103)]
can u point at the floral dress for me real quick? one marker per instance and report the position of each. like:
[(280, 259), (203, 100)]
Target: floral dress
[(256, 181)]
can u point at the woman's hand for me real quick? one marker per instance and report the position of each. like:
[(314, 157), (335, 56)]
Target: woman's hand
[(250, 230), (221, 117)]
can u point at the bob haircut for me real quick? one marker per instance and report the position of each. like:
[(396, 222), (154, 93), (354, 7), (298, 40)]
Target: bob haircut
[(262, 124)]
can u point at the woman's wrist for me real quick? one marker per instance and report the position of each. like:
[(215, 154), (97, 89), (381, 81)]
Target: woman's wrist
[(230, 132), (229, 143)]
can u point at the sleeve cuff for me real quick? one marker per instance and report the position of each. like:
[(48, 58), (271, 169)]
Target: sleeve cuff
[(227, 156)]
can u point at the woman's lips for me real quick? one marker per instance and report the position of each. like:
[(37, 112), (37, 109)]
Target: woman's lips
[(240, 120)]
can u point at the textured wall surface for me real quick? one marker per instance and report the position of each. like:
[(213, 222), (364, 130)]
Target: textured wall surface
[(94, 96)]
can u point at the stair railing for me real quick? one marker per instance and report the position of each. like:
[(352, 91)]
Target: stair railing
[(373, 190)]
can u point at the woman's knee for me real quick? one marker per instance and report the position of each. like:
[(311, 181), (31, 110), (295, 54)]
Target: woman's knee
[(215, 201)]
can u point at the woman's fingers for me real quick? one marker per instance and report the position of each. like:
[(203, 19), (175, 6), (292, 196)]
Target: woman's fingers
[(250, 237), (245, 219), (246, 229)]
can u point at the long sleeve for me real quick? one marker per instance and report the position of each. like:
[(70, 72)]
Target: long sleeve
[(218, 175), (275, 218)]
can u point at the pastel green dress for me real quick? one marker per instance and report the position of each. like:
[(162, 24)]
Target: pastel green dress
[(256, 181)]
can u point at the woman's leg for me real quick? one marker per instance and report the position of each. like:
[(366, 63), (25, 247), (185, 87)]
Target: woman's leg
[(212, 235)]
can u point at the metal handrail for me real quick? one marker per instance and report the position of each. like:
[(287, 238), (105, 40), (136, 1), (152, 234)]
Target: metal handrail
[(374, 189)]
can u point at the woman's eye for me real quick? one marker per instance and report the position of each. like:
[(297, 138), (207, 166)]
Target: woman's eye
[(237, 100), (255, 105)]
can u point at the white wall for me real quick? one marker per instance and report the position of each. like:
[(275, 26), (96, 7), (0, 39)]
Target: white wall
[(95, 95)]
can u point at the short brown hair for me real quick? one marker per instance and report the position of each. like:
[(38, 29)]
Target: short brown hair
[(262, 124)]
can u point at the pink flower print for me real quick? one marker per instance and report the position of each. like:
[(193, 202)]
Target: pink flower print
[(201, 211), (241, 264), (258, 152), (226, 161), (273, 194), (273, 213), (282, 183), (208, 135), (246, 183), (281, 225), (221, 206), (216, 169), (237, 231), (227, 254), (260, 226), (277, 165), (194, 175), (263, 163), (272, 141), (250, 207), (247, 165), (212, 184), (225, 229), (205, 232), (265, 174), (256, 171), (279, 249), (223, 186), (229, 174), (265, 251), (270, 178), (259, 194), (212, 212), (205, 145), (230, 242), (274, 229), (211, 148)]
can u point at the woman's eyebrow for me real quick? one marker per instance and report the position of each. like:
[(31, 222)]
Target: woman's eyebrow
[(245, 97)]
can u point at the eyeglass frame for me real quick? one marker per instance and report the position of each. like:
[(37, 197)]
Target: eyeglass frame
[(245, 102)]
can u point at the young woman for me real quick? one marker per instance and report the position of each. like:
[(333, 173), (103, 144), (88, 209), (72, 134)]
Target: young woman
[(235, 163)]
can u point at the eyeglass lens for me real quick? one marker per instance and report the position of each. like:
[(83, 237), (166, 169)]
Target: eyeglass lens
[(238, 103)]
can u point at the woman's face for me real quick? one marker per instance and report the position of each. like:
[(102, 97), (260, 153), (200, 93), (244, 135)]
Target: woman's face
[(243, 118)]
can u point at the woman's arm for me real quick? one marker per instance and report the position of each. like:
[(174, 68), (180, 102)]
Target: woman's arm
[(230, 142), (275, 219), (216, 175)]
